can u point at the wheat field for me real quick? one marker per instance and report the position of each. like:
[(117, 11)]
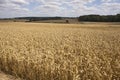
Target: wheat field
[(42, 51)]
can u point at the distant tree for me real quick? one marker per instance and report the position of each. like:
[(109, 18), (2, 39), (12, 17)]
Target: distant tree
[(98, 18), (118, 17), (42, 18), (14, 20), (67, 21)]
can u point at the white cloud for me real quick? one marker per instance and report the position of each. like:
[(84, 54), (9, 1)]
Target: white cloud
[(19, 2), (107, 0), (11, 8), (57, 7), (110, 8)]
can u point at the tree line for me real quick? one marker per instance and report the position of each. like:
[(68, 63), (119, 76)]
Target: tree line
[(39, 18), (99, 18)]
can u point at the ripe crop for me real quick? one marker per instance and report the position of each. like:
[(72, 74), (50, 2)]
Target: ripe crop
[(35, 51)]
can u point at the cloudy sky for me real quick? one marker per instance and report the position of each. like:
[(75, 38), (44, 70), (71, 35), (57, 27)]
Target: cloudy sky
[(21, 8)]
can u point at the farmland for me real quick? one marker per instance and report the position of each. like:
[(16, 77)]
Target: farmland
[(44, 51)]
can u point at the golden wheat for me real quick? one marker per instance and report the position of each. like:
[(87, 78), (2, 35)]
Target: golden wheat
[(60, 52)]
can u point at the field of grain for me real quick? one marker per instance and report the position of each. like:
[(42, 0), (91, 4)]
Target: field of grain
[(37, 51)]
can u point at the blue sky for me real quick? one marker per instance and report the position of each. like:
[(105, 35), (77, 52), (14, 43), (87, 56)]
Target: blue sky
[(66, 8)]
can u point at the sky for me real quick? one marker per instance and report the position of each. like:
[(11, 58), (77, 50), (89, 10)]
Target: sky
[(65, 8)]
